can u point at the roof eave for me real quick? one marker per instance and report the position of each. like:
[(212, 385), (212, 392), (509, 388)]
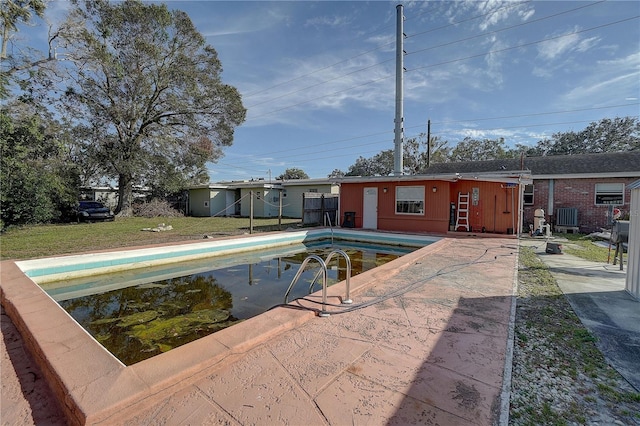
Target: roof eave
[(507, 176), (588, 175)]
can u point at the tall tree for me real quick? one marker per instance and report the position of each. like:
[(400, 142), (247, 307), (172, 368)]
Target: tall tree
[(26, 67), (606, 135), (149, 84), (14, 12), (39, 183), (336, 173), (380, 164), (417, 155), (293, 173), (476, 150), (414, 158)]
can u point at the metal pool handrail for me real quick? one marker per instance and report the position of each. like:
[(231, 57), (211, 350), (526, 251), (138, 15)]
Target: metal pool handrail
[(347, 299), (323, 271), (328, 218), (323, 265)]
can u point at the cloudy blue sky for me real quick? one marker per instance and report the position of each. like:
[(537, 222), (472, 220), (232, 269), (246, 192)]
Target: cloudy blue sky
[(318, 78)]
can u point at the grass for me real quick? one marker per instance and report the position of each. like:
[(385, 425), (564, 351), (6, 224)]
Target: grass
[(583, 246), (558, 342), (49, 240)]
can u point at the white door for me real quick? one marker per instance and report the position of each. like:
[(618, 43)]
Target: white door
[(370, 208), (230, 201)]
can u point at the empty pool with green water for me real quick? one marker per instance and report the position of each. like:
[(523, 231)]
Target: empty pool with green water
[(140, 313)]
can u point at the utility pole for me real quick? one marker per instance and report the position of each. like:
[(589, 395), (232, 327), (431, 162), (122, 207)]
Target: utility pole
[(428, 143), (399, 121)]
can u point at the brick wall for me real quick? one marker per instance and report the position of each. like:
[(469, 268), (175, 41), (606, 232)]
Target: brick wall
[(578, 193)]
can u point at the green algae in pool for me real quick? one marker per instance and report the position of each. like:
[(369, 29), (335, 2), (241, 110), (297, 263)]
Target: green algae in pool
[(141, 318)]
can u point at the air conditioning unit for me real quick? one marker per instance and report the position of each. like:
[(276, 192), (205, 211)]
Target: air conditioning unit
[(567, 216)]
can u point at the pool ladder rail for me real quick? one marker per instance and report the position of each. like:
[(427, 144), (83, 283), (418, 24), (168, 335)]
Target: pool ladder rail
[(328, 220), (323, 271)]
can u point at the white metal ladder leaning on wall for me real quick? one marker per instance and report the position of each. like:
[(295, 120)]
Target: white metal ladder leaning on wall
[(462, 217)]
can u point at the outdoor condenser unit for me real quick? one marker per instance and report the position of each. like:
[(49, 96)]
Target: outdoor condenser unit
[(567, 216)]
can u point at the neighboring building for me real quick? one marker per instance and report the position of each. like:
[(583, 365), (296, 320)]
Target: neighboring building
[(108, 195), (212, 200), (233, 198), (577, 192), (461, 202), (105, 194)]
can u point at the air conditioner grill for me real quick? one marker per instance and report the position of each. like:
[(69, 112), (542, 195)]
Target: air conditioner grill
[(567, 216)]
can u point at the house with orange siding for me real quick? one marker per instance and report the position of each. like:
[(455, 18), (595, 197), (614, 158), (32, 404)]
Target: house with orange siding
[(435, 203), (577, 193)]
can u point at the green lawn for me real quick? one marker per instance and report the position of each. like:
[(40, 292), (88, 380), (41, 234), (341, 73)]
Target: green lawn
[(583, 246), (50, 240)]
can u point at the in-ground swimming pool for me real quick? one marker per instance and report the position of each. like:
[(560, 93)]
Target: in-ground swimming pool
[(139, 314)]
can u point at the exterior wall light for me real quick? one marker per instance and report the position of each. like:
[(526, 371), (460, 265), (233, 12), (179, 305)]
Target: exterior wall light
[(434, 189)]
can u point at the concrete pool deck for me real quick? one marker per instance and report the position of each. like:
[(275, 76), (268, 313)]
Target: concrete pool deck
[(433, 349)]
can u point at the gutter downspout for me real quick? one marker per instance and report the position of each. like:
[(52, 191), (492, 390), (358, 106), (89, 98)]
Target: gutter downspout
[(551, 197)]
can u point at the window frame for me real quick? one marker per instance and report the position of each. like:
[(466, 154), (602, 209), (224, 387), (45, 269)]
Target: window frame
[(608, 192), (525, 194), (409, 200)]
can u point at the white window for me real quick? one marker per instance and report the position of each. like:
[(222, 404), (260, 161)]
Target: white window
[(410, 200), (528, 195), (610, 193)]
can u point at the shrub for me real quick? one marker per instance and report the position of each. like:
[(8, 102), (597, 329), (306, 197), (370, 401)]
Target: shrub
[(155, 208)]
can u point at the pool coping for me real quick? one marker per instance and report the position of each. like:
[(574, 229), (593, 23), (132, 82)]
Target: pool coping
[(93, 386)]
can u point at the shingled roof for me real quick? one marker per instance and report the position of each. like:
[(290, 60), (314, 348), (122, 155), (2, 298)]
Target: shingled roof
[(580, 164)]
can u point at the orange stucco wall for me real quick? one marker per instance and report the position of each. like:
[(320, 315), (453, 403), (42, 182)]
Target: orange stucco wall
[(496, 210), (434, 219)]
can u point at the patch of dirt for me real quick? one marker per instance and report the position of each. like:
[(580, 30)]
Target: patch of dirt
[(559, 376), (27, 399)]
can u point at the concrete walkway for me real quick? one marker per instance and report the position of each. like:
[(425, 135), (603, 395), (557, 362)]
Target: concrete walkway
[(426, 343), (596, 292)]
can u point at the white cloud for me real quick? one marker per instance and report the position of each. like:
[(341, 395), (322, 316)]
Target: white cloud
[(560, 46), (551, 49), (587, 44), (606, 77), (327, 21), (271, 15), (359, 82)]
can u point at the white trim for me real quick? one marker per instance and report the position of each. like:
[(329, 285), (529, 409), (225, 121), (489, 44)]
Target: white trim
[(626, 175)]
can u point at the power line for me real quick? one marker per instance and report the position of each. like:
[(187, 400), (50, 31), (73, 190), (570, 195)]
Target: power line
[(452, 24), (533, 114), (341, 141), (505, 28), (351, 58), (388, 60), (443, 63), (525, 44), (556, 112), (334, 154)]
